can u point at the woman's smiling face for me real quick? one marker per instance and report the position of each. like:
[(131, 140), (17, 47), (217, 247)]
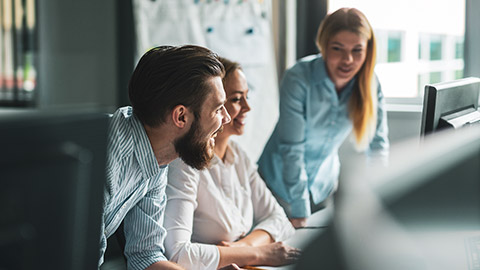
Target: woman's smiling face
[(345, 55), (236, 89)]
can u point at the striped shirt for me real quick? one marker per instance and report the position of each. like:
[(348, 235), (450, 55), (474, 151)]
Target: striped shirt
[(134, 192)]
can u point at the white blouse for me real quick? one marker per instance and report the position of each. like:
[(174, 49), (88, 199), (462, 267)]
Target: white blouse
[(221, 203)]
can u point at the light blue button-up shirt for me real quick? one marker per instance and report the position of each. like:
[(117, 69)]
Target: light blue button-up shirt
[(301, 157), (134, 193)]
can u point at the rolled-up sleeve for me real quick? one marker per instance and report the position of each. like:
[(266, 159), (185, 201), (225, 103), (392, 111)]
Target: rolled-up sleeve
[(291, 128), (103, 244), (144, 232), (182, 193)]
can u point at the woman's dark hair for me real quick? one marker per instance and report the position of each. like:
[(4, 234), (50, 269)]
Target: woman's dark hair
[(230, 66), (167, 76)]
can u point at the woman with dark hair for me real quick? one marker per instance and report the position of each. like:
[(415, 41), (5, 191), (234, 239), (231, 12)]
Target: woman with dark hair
[(322, 98), (225, 213)]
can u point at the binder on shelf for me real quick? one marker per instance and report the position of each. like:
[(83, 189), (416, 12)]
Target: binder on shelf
[(2, 51), (8, 67), (17, 49), (30, 72), (19, 59)]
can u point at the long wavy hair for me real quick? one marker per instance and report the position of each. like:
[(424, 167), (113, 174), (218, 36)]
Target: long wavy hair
[(363, 102)]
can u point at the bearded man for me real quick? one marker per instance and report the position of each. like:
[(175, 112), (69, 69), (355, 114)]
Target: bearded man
[(177, 109)]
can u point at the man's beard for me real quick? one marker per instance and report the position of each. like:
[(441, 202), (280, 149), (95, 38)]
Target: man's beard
[(193, 149)]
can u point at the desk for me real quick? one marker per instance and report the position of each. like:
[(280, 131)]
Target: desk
[(316, 224)]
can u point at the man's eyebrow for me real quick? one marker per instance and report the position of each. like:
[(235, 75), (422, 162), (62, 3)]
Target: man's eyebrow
[(220, 104)]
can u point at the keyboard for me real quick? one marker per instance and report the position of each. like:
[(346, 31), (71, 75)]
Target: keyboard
[(472, 244)]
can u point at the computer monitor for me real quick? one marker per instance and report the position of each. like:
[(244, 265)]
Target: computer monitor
[(452, 104), (421, 212), (52, 167)]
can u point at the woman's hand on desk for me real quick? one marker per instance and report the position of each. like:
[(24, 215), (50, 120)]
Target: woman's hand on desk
[(274, 254), (277, 254), (298, 222)]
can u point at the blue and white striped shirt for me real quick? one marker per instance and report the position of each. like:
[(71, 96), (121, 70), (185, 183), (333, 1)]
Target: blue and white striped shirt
[(134, 192)]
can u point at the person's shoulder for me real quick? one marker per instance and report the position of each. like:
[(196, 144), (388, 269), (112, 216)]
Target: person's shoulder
[(181, 177), (179, 165), (178, 169), (119, 121), (309, 62), (119, 136), (122, 113), (310, 58), (240, 154), (237, 148), (305, 66)]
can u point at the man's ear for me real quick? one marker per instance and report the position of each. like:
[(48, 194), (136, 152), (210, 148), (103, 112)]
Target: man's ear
[(180, 116)]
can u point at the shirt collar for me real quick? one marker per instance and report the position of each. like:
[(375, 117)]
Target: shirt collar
[(321, 69), (143, 149), (230, 157)]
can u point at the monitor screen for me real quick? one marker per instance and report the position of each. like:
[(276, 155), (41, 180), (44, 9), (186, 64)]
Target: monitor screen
[(422, 211), (451, 104), (52, 168)]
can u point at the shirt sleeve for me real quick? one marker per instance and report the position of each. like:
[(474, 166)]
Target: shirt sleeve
[(268, 214), (291, 130), (379, 146), (182, 193), (103, 244), (143, 228)]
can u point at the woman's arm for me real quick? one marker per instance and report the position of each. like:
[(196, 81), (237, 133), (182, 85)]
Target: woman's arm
[(378, 148), (182, 194), (165, 265), (291, 128), (274, 254), (270, 222), (255, 238)]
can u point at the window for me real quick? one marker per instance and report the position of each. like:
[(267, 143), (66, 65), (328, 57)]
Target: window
[(459, 48), (422, 48), (458, 74), (394, 48), (435, 48), (389, 46)]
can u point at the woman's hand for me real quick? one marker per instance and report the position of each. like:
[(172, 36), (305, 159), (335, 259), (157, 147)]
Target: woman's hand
[(274, 254), (298, 222), (277, 254)]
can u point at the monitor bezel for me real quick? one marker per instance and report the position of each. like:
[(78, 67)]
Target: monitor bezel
[(447, 98)]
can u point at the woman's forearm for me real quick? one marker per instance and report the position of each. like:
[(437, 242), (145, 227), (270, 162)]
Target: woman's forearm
[(240, 255), (257, 238), (274, 254)]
